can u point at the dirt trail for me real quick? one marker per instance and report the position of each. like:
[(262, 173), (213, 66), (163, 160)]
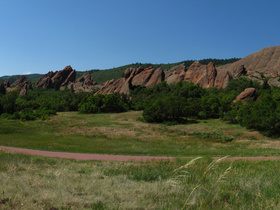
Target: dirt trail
[(83, 156)]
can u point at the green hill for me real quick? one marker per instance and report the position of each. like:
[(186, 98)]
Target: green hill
[(101, 76), (30, 77)]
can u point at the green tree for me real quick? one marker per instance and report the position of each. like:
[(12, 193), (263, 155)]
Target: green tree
[(2, 89)]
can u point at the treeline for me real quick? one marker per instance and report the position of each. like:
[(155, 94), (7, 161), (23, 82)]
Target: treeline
[(176, 103), (181, 102), (42, 103)]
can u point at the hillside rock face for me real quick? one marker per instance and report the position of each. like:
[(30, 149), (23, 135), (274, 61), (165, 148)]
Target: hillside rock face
[(247, 93), (147, 77), (175, 74), (205, 75), (266, 60)]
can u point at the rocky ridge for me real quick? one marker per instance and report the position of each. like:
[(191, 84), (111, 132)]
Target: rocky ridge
[(266, 60), (147, 77)]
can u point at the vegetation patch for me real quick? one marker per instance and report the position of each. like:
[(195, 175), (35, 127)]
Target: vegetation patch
[(29, 182)]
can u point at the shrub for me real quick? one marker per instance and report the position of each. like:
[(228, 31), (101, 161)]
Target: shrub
[(103, 104), (169, 108)]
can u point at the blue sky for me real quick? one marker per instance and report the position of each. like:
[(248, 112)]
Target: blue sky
[(38, 36)]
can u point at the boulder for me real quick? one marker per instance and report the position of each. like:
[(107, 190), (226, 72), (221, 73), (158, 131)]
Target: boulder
[(247, 93)]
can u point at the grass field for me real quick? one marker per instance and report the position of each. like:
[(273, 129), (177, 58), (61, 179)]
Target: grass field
[(124, 134), (189, 182), (29, 182)]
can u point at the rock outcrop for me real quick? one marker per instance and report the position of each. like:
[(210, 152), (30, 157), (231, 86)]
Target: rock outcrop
[(58, 78), (5, 83), (205, 75), (247, 93), (20, 81), (82, 84), (175, 74), (266, 61), (20, 84), (147, 77)]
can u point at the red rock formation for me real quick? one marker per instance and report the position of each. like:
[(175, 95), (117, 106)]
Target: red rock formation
[(60, 78), (20, 84), (266, 60), (175, 74), (83, 84), (147, 77), (247, 93), (156, 78), (86, 80), (64, 76), (45, 81), (7, 84), (222, 78), (23, 90)]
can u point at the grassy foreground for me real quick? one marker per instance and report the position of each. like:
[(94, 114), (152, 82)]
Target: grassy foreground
[(29, 182), (123, 133)]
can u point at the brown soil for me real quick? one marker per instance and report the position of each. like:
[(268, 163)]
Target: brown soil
[(83, 156)]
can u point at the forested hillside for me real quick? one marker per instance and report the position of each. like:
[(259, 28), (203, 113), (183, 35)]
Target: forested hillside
[(30, 77)]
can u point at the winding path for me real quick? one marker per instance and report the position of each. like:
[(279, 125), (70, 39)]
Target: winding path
[(83, 156)]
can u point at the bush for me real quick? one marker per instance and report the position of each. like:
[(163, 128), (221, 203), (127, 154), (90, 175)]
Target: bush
[(103, 104), (169, 108)]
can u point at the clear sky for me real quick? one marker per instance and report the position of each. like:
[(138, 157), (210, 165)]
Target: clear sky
[(38, 36)]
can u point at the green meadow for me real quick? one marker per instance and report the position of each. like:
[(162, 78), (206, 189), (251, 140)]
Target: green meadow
[(126, 134), (194, 180)]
